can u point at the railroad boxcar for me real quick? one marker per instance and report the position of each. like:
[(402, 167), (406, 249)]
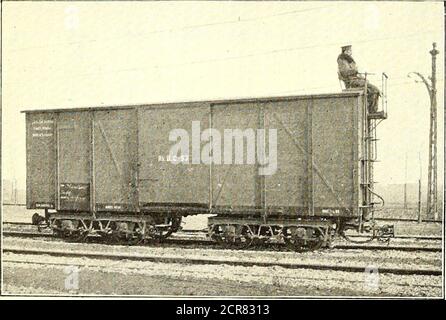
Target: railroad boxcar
[(111, 170)]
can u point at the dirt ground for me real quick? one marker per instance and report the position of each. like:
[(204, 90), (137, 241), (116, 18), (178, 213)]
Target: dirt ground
[(25, 280), (44, 274)]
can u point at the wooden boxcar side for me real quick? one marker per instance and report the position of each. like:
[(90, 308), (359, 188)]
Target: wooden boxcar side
[(162, 184), (116, 159), (318, 147)]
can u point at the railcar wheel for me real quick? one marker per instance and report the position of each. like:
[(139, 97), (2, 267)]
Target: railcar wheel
[(237, 237), (58, 233), (217, 238), (111, 238), (71, 230), (116, 237), (133, 239), (81, 233), (302, 239), (231, 236), (259, 242), (240, 242), (78, 236), (162, 233), (122, 232)]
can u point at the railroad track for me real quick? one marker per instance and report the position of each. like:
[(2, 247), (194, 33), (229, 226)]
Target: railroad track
[(217, 261), (17, 223), (180, 239)]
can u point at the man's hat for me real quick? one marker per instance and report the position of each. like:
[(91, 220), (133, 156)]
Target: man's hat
[(346, 47)]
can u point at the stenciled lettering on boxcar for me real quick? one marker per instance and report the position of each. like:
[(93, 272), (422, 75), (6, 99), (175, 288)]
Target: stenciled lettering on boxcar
[(74, 196), (42, 128), (43, 205)]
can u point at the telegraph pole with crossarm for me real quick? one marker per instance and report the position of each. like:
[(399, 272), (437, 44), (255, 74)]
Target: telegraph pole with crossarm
[(432, 210)]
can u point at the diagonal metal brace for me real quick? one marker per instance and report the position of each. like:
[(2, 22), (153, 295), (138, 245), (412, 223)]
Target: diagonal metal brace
[(115, 162), (315, 167)]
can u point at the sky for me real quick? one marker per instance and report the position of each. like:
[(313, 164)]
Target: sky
[(81, 54)]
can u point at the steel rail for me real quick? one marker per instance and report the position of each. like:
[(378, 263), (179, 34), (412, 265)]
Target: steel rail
[(188, 241), (213, 261), (297, 278)]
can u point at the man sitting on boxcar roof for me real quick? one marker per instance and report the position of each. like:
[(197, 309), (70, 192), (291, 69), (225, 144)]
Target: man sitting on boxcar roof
[(348, 73)]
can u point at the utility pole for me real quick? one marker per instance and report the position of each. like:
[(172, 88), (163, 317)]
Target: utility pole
[(432, 211), (14, 191), (405, 184), (419, 189), (419, 201)]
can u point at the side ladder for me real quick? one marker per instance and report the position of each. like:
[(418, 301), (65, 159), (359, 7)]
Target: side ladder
[(370, 121)]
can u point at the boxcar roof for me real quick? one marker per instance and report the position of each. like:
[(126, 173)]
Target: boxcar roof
[(221, 101)]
